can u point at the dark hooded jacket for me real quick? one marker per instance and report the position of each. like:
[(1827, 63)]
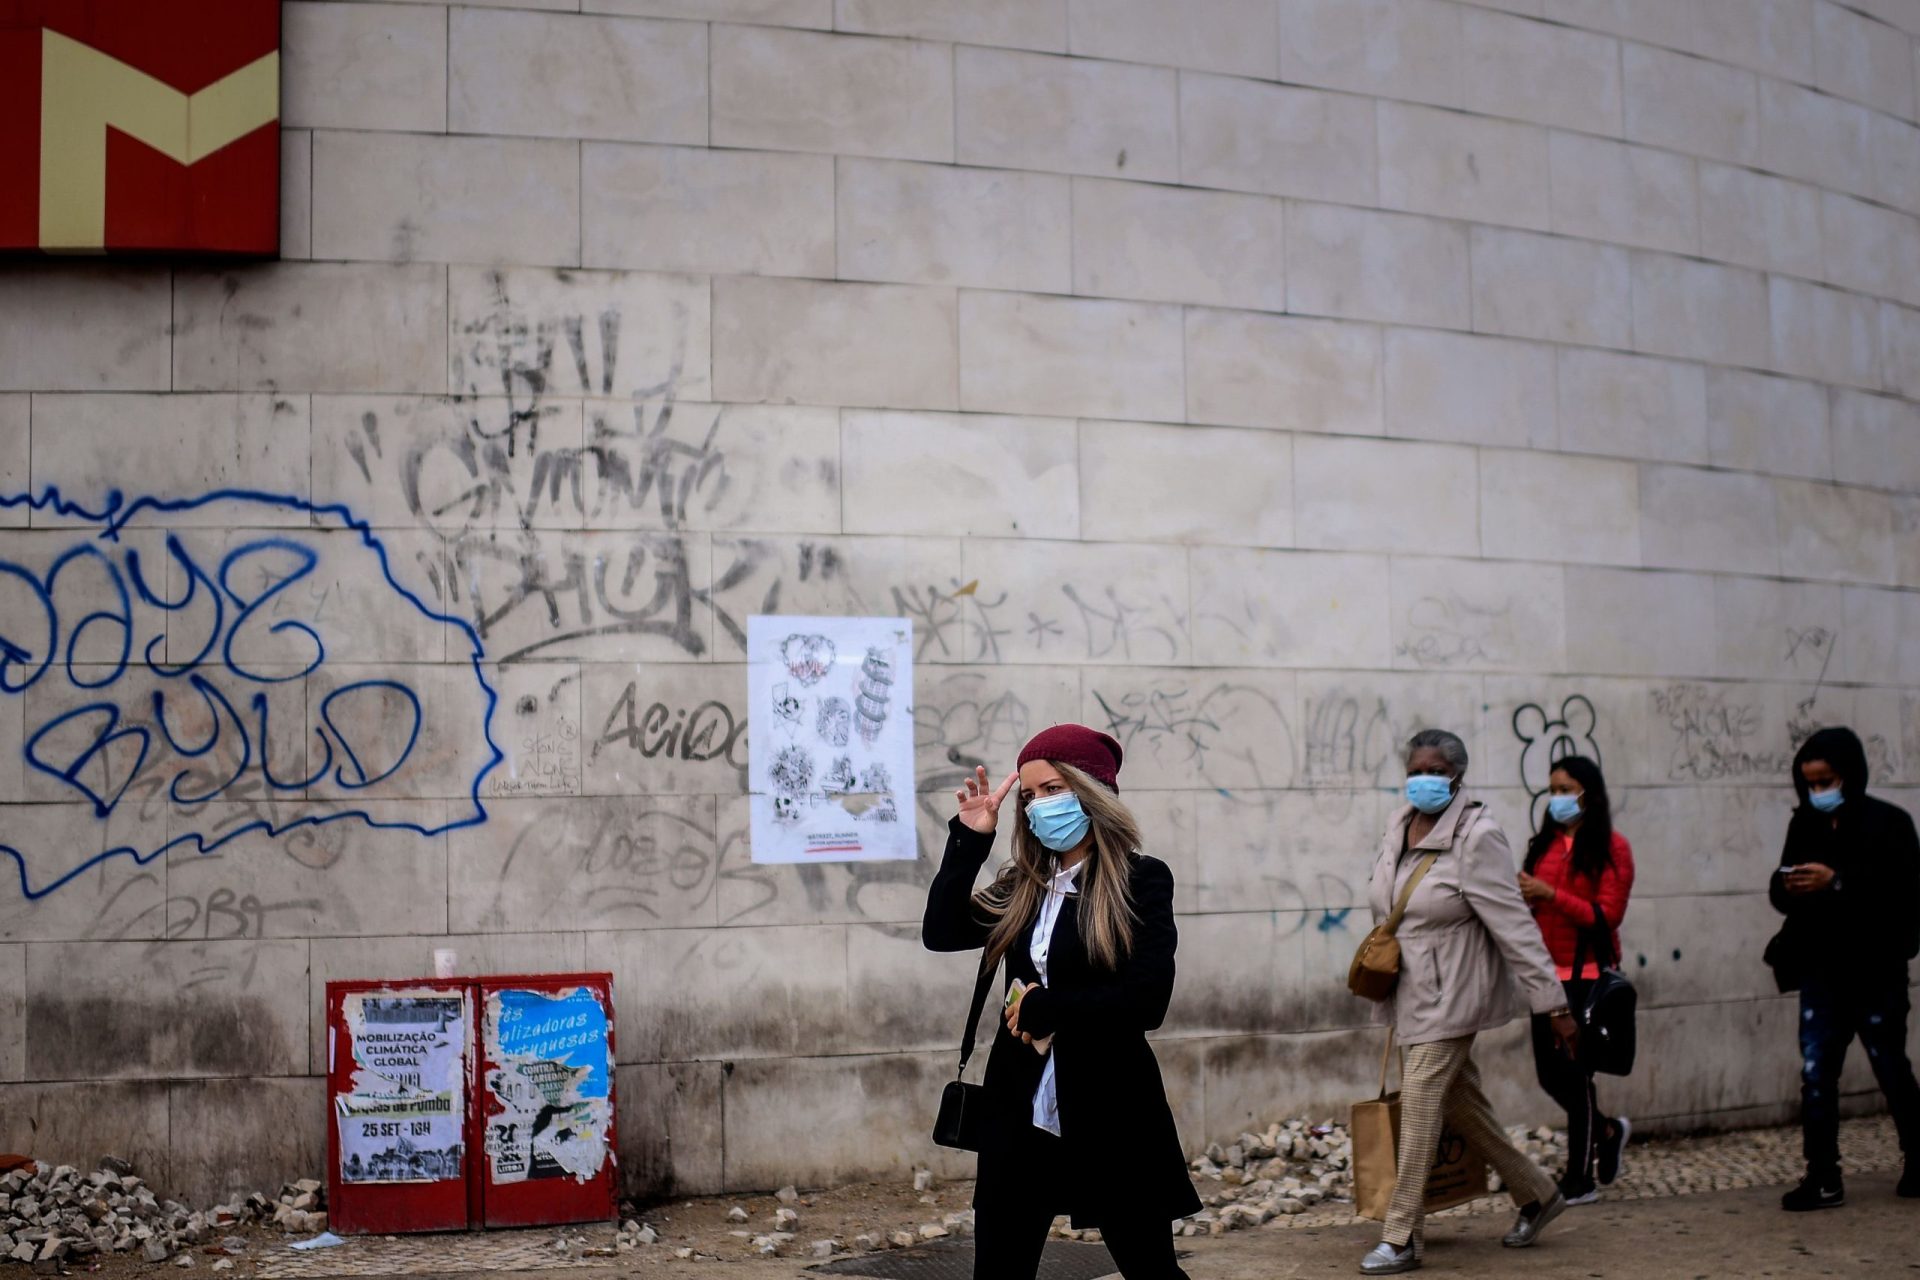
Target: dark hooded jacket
[(1868, 922)]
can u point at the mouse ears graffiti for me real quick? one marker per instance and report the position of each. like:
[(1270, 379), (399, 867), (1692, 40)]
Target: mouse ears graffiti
[(178, 673)]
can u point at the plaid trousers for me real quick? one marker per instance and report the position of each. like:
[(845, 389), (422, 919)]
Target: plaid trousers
[(1440, 1085)]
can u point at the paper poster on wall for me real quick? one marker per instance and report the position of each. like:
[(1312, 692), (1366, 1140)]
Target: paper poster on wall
[(830, 739), (403, 1120), (548, 1072)]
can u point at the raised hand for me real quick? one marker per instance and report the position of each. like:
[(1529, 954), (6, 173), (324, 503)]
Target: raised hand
[(980, 802)]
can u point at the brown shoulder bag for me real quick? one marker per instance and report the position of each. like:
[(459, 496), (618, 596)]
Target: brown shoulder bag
[(1376, 965)]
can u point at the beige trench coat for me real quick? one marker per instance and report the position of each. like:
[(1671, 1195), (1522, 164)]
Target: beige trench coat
[(1471, 955)]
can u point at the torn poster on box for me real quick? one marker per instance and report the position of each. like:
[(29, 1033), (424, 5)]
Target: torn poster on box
[(403, 1121), (830, 739), (548, 1072)]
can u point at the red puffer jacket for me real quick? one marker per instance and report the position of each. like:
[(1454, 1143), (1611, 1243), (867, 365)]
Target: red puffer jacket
[(1563, 916)]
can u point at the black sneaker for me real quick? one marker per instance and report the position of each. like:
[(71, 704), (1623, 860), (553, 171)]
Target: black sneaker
[(1816, 1191), (1577, 1194), (1613, 1152), (1909, 1188)]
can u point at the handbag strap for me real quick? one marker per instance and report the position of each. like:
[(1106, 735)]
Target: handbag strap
[(1392, 923), (1386, 1056), (980, 989), (1603, 953)]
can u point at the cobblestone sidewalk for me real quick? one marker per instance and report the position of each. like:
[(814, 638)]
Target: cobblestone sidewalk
[(1722, 1162)]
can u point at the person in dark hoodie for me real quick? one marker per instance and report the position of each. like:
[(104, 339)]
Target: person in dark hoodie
[(1849, 886)]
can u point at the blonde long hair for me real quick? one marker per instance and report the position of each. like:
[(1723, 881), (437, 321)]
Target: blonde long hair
[(1105, 887)]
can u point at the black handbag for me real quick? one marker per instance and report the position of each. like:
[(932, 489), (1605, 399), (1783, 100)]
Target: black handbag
[(1784, 956), (963, 1106), (1608, 1039)]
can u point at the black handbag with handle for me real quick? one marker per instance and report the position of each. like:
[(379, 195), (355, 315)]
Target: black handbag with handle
[(1608, 1038), (963, 1106)]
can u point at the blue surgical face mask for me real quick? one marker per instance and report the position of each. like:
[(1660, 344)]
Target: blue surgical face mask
[(1429, 792), (1827, 801), (1059, 822), (1563, 808)]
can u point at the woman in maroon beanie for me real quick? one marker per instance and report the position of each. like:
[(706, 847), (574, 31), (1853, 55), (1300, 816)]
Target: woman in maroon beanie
[(1077, 1116)]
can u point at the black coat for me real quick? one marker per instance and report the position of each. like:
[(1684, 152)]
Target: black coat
[(1868, 924), (1121, 1148)]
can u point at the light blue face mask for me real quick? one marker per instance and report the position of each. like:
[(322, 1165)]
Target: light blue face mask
[(1827, 801), (1563, 808), (1059, 822), (1429, 792)]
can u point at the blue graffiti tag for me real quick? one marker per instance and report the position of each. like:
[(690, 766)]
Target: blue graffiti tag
[(116, 703)]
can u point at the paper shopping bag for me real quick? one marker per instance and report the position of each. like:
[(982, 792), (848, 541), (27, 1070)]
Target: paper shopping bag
[(1459, 1173)]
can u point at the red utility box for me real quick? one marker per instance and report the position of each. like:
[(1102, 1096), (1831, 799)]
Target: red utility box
[(455, 1103)]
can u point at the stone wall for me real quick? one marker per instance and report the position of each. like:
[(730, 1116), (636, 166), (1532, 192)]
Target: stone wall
[(1257, 379)]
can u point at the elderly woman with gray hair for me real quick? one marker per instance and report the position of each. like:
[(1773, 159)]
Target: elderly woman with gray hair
[(1471, 959)]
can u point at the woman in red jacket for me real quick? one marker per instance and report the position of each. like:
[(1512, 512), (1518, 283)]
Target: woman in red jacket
[(1576, 864)]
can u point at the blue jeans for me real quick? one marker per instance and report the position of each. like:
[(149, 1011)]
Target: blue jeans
[(1832, 1013)]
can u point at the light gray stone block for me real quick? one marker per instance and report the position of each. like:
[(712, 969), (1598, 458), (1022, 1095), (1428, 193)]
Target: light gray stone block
[(1673, 632), (1757, 220), (1455, 165), (296, 193), (1711, 520), (1699, 310), (13, 1011), (1534, 286), (850, 95), (1099, 603), (537, 727), (1363, 265), (1384, 495), (1870, 249), (1900, 350), (1815, 138), (917, 997), (1856, 57), (229, 1138), (68, 326), (937, 224), (1283, 371), (311, 327), (1183, 729), (1624, 194), (1767, 424), (1289, 851), (671, 1140), (1824, 333), (1530, 517), (1469, 390), (1870, 649), (124, 1117), (1277, 139), (1773, 37), (174, 446), (363, 66), (803, 342), (690, 209), (1208, 247), (1632, 406), (1652, 21), (577, 76), (613, 863), (1540, 72), (16, 413), (971, 474), (1011, 24), (1835, 533), (776, 13), (526, 333), (1772, 630), (1876, 441), (917, 578), (134, 1010), (1476, 615), (1066, 357), (1066, 115), (1290, 609), (1691, 104), (1354, 727), (1127, 469), (414, 197), (1896, 161), (1397, 50), (1234, 37)]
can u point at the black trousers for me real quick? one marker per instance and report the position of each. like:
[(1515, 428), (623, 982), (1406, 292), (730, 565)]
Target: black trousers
[(1571, 1085), (1832, 1014), (1017, 1199)]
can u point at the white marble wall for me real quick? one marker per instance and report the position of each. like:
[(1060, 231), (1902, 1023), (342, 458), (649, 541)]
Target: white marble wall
[(1260, 380)]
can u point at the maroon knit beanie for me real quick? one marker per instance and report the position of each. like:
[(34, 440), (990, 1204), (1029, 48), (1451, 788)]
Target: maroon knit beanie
[(1087, 750)]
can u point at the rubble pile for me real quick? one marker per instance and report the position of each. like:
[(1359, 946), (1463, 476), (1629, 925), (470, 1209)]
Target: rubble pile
[(51, 1217)]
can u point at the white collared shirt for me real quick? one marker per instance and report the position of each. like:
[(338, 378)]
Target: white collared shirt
[(1046, 1102)]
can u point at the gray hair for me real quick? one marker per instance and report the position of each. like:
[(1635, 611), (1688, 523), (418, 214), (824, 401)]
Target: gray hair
[(1451, 749)]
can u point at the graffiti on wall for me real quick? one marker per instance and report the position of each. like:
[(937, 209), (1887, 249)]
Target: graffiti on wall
[(190, 654), (1548, 738)]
